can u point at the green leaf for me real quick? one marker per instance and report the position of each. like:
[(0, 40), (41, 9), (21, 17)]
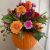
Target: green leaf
[(22, 18), (44, 35), (41, 20), (7, 18), (2, 27), (38, 35), (43, 13)]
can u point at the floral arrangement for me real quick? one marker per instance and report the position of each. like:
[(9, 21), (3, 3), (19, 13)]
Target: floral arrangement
[(24, 18)]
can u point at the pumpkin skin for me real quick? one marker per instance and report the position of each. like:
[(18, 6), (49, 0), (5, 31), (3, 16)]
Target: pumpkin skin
[(26, 43)]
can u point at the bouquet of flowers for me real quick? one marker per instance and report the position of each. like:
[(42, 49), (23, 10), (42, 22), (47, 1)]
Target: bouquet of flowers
[(22, 19)]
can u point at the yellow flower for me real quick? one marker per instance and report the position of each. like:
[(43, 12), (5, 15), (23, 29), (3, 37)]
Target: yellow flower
[(21, 10), (16, 27)]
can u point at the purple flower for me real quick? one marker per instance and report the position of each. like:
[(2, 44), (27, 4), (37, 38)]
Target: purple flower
[(18, 15), (28, 13), (28, 24)]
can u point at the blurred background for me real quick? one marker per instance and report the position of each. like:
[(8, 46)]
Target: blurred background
[(41, 6)]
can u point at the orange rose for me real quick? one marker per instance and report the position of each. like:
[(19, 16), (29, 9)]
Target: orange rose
[(21, 9), (16, 27), (28, 5)]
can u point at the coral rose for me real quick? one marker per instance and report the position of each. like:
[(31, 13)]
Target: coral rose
[(21, 10), (16, 27), (38, 26), (28, 5)]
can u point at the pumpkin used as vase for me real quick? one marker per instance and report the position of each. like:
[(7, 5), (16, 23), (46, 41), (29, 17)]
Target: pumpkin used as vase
[(26, 43)]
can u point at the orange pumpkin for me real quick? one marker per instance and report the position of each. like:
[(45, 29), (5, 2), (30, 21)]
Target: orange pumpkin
[(26, 43)]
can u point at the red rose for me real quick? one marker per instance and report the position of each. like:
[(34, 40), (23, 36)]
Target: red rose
[(36, 15)]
